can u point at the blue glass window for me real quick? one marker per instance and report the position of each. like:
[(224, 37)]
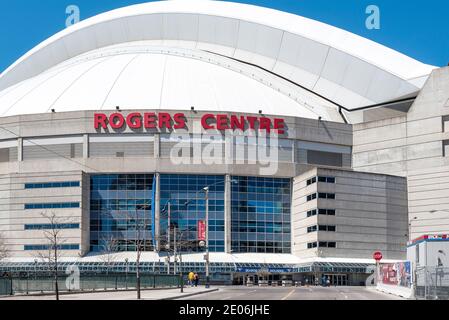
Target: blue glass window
[(121, 211), (260, 213), (68, 184), (41, 247), (49, 226), (188, 206), (60, 205)]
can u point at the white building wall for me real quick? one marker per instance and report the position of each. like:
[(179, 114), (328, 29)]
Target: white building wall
[(13, 216), (414, 146), (371, 215)]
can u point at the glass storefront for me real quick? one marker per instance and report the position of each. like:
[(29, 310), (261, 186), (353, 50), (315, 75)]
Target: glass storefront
[(261, 220), (184, 195), (121, 212)]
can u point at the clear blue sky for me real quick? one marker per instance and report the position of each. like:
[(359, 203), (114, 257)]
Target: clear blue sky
[(419, 29)]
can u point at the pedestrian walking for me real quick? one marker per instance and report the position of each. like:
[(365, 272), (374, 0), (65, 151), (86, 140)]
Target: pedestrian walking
[(196, 279), (191, 278)]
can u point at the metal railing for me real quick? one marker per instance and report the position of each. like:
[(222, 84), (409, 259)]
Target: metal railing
[(432, 283), (31, 284)]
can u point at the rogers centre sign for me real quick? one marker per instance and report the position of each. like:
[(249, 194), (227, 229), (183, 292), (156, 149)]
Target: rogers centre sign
[(163, 120)]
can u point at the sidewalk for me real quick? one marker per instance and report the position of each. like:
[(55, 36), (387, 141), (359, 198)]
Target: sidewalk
[(166, 294)]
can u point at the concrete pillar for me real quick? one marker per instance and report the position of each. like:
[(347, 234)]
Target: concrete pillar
[(85, 146), (156, 203), (20, 149), (85, 213), (157, 146), (227, 213), (229, 149)]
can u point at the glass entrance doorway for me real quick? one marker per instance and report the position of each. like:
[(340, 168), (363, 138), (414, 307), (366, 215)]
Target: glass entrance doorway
[(337, 279)]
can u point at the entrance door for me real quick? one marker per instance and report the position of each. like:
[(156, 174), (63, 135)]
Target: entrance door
[(340, 280)]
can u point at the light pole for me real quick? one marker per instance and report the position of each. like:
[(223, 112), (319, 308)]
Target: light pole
[(410, 228), (167, 209), (206, 190), (35, 269), (126, 273)]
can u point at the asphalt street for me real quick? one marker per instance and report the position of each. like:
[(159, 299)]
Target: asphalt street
[(292, 293)]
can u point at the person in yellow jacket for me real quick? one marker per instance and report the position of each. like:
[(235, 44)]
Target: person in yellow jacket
[(191, 277)]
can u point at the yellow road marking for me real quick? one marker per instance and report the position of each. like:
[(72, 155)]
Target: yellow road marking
[(288, 295)]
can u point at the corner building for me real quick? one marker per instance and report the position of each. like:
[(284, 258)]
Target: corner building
[(317, 146)]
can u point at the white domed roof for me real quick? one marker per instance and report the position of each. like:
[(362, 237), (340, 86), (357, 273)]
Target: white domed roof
[(211, 55)]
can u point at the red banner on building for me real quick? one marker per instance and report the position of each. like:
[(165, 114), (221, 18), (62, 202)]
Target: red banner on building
[(201, 230), (397, 274)]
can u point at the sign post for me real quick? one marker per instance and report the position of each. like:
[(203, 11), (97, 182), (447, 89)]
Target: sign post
[(377, 256)]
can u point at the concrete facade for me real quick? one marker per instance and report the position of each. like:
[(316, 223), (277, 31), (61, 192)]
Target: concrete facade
[(414, 146), (13, 217), (369, 213), (66, 147)]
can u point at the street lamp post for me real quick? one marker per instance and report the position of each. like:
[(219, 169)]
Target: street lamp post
[(126, 273), (206, 224), (206, 192), (35, 269), (410, 228), (174, 250)]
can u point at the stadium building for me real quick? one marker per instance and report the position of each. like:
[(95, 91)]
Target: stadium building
[(315, 147)]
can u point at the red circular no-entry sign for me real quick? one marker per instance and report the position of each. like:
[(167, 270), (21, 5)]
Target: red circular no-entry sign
[(377, 256)]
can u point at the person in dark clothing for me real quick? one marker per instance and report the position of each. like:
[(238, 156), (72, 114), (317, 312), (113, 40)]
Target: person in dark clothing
[(196, 279)]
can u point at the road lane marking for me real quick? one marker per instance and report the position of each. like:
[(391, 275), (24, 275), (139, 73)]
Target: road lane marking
[(239, 295), (344, 295), (288, 295)]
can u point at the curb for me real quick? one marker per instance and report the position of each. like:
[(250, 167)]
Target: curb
[(65, 293), (190, 294)]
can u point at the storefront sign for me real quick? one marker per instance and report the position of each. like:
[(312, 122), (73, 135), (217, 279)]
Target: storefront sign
[(164, 120), (269, 270)]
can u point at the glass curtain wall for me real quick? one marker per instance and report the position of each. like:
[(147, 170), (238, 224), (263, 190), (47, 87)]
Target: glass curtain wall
[(184, 195), (121, 212), (260, 213)]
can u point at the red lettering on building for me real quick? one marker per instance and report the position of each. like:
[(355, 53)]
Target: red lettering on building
[(222, 122), (279, 125), (149, 120), (265, 124), (116, 120), (100, 119), (252, 122), (164, 120), (204, 122), (238, 123), (180, 121), (134, 120)]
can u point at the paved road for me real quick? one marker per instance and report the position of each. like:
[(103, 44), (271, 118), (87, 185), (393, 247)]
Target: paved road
[(303, 293)]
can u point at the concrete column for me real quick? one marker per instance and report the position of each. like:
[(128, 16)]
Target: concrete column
[(229, 149), (85, 213), (227, 213), (156, 203), (20, 149), (157, 146), (85, 146)]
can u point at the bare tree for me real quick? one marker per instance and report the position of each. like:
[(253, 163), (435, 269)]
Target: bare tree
[(141, 226), (109, 249), (4, 253), (54, 238)]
